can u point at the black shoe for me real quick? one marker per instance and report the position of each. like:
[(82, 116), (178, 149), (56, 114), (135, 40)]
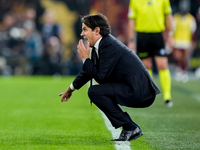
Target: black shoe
[(129, 135)]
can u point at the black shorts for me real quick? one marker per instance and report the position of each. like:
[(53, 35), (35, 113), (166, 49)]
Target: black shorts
[(150, 45)]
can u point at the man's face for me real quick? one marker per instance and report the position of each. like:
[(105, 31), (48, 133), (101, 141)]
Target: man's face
[(88, 34)]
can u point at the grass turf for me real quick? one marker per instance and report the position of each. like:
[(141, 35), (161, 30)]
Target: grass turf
[(32, 117), (174, 128)]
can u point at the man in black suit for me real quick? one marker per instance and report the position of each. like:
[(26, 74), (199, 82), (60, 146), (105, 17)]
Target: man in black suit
[(122, 77)]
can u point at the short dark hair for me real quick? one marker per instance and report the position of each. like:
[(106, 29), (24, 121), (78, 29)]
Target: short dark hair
[(97, 20)]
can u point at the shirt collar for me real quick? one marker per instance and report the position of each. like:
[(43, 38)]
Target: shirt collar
[(96, 46)]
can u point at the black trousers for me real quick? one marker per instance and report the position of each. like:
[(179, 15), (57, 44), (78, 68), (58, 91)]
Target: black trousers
[(103, 97)]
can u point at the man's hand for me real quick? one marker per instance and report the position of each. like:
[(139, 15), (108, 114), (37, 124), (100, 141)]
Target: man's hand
[(66, 95), (82, 50)]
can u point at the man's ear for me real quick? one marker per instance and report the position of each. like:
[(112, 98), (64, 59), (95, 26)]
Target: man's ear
[(97, 30)]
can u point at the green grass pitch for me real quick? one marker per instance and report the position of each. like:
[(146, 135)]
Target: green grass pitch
[(33, 118)]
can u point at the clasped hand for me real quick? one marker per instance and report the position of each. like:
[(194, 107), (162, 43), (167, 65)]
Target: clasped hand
[(83, 50)]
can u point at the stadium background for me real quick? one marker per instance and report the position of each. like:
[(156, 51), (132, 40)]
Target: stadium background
[(58, 56)]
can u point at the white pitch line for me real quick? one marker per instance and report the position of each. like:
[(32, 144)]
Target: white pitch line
[(115, 134)]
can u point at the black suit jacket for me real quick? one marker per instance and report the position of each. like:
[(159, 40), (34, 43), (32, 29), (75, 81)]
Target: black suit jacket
[(121, 67)]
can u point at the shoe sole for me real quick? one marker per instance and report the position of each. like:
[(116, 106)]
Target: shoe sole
[(136, 136)]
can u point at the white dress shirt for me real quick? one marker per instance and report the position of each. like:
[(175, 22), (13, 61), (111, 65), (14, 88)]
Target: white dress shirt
[(96, 46)]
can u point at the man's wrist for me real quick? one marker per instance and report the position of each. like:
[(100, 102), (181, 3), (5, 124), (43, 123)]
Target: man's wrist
[(72, 87)]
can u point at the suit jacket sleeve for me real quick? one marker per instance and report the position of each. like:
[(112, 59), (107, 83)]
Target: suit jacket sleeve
[(108, 57), (81, 79)]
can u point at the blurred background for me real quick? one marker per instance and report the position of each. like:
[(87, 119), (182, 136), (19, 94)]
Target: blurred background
[(39, 37)]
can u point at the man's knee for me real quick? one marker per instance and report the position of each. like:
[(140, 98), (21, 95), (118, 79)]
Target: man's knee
[(93, 91), (100, 91), (147, 62), (161, 62)]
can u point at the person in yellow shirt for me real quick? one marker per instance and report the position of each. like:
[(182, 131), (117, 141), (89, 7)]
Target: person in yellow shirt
[(147, 19), (184, 28)]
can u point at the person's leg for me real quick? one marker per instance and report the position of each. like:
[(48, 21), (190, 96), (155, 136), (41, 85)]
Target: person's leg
[(144, 50), (103, 97), (184, 65), (185, 60), (178, 57), (148, 64), (177, 54), (181, 58), (165, 77)]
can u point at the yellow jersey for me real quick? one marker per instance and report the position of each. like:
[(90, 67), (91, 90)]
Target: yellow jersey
[(149, 14), (184, 27)]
